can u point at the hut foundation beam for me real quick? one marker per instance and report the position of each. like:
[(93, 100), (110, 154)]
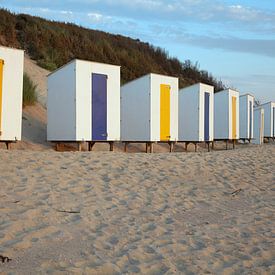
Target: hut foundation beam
[(196, 147)]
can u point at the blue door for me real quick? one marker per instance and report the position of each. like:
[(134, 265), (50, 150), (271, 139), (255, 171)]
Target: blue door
[(250, 119), (206, 116), (99, 107)]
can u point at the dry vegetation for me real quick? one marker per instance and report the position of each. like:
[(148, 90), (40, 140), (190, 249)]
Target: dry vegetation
[(52, 44)]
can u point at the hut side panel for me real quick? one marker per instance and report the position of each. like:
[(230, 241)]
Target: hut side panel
[(189, 114), (61, 107), (196, 113), (135, 110), (221, 116), (11, 93)]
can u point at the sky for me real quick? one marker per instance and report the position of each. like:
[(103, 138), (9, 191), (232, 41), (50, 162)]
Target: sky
[(234, 40)]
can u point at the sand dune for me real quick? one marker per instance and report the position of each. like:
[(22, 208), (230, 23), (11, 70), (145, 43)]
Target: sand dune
[(113, 213), (39, 76)]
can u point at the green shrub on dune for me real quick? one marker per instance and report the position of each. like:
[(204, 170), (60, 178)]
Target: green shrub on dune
[(29, 91)]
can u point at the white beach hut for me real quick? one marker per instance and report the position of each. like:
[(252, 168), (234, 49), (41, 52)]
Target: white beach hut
[(149, 110), (226, 116), (269, 120), (84, 103), (196, 114), (246, 117), (11, 92), (258, 125)]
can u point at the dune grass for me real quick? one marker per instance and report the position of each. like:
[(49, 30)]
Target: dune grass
[(29, 91)]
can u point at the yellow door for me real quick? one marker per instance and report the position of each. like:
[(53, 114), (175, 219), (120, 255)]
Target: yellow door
[(164, 112), (1, 92), (234, 117)]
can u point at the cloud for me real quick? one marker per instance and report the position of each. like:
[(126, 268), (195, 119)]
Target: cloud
[(175, 10), (99, 18), (209, 24), (254, 46)]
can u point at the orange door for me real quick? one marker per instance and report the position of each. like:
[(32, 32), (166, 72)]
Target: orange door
[(164, 112), (234, 117), (1, 92)]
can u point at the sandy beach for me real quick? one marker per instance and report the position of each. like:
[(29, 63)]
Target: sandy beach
[(114, 213)]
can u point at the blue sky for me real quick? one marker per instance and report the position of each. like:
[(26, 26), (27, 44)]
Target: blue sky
[(234, 40)]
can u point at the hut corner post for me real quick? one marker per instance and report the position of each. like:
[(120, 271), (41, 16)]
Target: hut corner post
[(91, 145), (149, 145), (111, 143), (171, 144), (125, 146), (79, 145), (208, 146), (8, 144)]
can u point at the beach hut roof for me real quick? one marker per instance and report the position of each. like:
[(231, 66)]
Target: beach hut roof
[(12, 48), (146, 75), (76, 59), (227, 90), (246, 94)]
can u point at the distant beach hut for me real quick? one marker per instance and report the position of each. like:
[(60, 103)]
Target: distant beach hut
[(246, 117), (11, 91), (226, 116), (84, 103), (149, 110), (196, 114), (258, 125), (269, 120)]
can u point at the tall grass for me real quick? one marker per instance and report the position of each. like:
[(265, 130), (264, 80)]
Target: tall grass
[(29, 91)]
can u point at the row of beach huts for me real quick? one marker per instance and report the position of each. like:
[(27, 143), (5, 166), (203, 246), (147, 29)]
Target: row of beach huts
[(86, 103)]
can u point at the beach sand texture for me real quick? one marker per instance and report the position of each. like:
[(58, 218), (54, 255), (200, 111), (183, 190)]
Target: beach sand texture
[(138, 213)]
